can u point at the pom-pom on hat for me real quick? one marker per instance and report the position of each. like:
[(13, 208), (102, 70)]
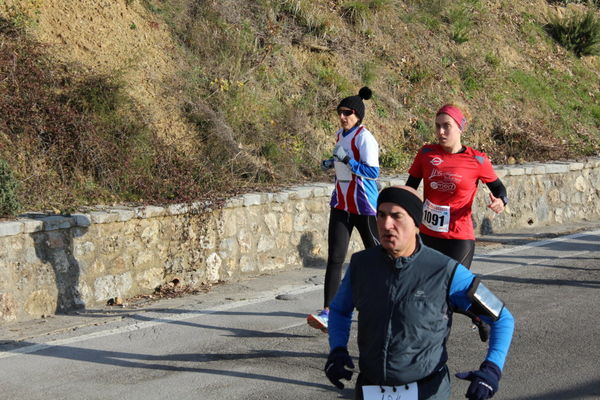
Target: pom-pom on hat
[(356, 102)]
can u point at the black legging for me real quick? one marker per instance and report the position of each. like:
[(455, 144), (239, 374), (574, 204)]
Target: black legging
[(458, 249), (341, 224)]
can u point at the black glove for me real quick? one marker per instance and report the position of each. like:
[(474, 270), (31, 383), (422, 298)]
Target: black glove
[(484, 383), (327, 164), (340, 154), (335, 367)]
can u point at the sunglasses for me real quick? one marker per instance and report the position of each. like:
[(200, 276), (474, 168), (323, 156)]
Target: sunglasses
[(345, 113)]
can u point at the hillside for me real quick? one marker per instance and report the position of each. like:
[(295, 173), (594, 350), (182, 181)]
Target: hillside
[(159, 101)]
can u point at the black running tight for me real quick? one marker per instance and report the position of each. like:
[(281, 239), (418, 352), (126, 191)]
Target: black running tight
[(461, 250), (341, 224)]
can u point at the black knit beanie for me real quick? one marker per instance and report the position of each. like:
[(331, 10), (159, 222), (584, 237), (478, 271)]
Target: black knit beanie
[(405, 199), (356, 102)]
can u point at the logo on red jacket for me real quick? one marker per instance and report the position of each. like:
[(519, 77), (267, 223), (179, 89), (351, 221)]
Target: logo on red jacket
[(436, 161)]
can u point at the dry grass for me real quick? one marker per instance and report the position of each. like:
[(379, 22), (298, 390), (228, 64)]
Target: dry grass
[(258, 84)]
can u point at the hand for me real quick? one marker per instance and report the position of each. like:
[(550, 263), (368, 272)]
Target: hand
[(339, 154), (327, 164), (484, 382), (496, 204), (335, 367)]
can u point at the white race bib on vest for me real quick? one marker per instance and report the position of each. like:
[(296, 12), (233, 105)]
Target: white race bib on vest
[(342, 171), (402, 392), (436, 218)]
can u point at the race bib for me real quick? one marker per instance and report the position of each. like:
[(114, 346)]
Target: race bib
[(342, 171), (436, 218), (402, 392)]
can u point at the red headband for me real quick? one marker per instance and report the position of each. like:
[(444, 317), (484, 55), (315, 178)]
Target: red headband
[(455, 113)]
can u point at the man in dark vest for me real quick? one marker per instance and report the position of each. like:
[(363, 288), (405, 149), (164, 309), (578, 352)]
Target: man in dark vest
[(404, 291)]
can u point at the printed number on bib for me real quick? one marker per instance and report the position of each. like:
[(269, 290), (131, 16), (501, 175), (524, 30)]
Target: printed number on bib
[(436, 218), (402, 392)]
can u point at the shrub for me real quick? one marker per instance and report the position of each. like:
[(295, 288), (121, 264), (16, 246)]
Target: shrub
[(8, 190), (579, 32)]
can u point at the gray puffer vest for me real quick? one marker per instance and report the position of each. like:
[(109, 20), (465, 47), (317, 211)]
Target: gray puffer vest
[(403, 313)]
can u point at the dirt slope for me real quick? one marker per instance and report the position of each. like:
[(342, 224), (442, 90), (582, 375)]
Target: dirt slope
[(108, 36)]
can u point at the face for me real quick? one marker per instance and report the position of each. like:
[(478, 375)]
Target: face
[(349, 121), (448, 133), (397, 230)]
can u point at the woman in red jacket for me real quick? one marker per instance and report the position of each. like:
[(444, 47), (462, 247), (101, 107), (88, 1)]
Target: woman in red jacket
[(450, 172)]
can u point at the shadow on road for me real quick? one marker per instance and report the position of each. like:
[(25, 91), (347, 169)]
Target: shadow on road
[(534, 281), (588, 390), (161, 362)]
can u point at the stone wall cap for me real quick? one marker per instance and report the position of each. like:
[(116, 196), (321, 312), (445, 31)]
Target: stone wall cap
[(576, 166), (10, 228), (252, 199), (82, 219), (150, 212), (557, 168), (124, 214), (31, 225), (300, 192), (281, 197), (234, 202), (55, 222), (103, 217), (178, 209), (515, 171)]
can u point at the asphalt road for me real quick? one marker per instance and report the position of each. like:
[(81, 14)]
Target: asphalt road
[(249, 340)]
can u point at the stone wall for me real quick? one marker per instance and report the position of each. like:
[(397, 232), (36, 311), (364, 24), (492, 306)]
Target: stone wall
[(53, 263)]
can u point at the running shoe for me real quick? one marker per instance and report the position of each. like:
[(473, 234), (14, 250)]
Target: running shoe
[(319, 321)]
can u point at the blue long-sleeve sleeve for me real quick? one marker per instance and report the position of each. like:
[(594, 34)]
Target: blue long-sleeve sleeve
[(501, 329), (362, 169), (340, 314)]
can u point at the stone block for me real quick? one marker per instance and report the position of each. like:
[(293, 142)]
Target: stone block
[(150, 212), (109, 286), (213, 266), (252, 199), (177, 209), (82, 220), (8, 307), (281, 197), (55, 222), (40, 302), (103, 217), (576, 166), (10, 228), (397, 181), (300, 193), (31, 225), (234, 202), (515, 171), (149, 279), (124, 214), (319, 191), (247, 263), (557, 168)]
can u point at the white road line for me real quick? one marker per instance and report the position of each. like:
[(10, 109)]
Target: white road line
[(535, 244), (180, 316), (264, 297)]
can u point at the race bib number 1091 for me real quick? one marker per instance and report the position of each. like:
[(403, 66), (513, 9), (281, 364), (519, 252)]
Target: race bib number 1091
[(436, 218)]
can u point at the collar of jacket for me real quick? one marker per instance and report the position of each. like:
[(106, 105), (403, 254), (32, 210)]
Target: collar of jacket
[(402, 262)]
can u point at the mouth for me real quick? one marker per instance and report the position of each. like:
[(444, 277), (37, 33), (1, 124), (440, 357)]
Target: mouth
[(388, 237)]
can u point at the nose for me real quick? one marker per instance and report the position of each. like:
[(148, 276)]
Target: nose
[(387, 223)]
